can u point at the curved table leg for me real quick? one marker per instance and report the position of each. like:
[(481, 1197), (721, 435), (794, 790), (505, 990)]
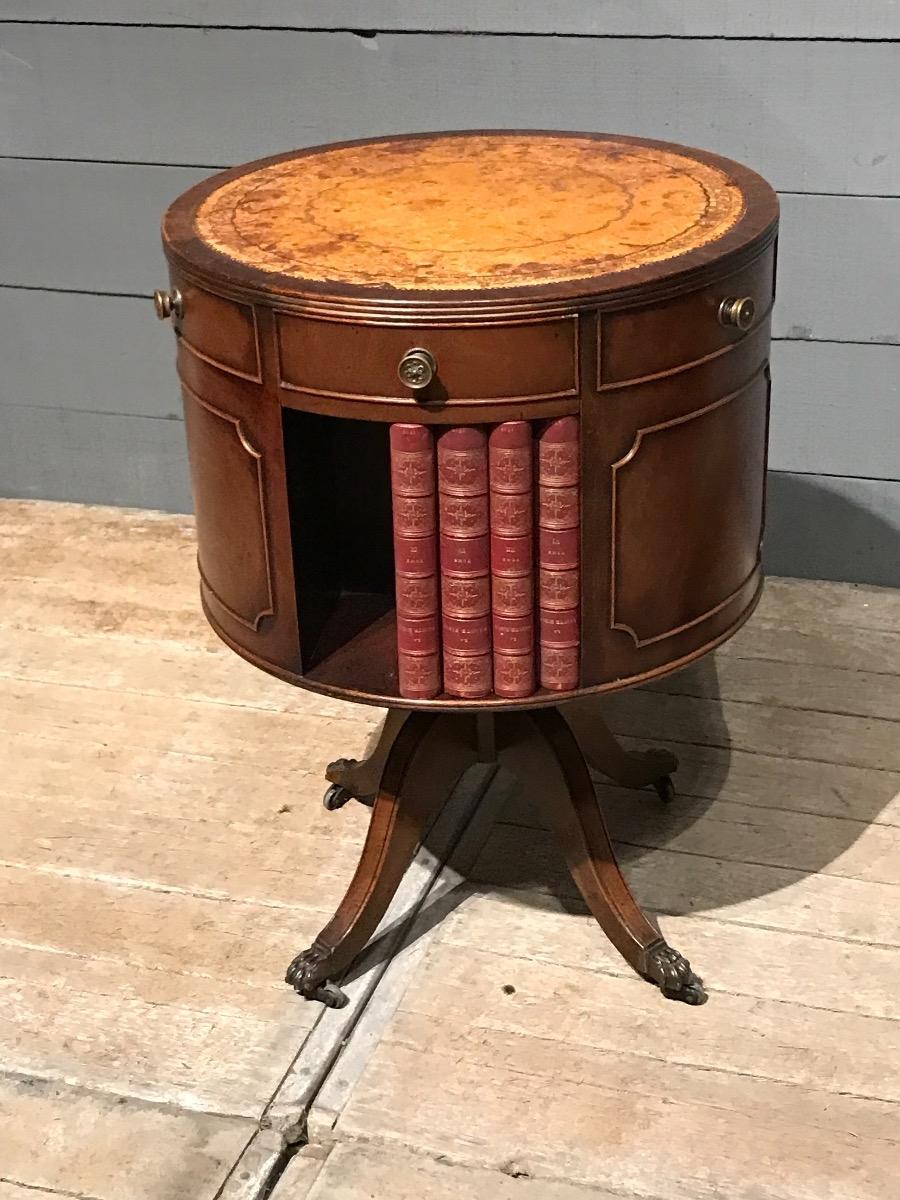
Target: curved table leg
[(358, 779), (629, 768), (575, 815), (424, 762)]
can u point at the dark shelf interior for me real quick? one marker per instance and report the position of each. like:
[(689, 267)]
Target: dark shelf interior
[(339, 495)]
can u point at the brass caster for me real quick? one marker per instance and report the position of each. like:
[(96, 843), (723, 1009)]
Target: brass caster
[(336, 797)]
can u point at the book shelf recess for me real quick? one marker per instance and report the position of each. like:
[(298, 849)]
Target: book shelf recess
[(475, 635)]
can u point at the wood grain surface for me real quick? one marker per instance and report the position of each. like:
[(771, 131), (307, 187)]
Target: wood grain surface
[(147, 910)]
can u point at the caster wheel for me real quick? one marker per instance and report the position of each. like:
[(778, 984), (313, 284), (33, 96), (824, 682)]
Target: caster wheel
[(336, 797), (330, 995), (665, 789)]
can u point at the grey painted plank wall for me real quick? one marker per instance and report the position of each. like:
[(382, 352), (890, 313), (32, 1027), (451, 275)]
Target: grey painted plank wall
[(91, 227), (672, 18), (820, 527), (95, 227), (88, 402), (95, 458), (810, 115), (834, 412)]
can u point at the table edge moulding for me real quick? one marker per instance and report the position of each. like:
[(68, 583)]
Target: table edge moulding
[(362, 362)]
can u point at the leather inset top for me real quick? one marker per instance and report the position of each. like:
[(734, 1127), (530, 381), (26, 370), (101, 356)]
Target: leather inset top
[(469, 211)]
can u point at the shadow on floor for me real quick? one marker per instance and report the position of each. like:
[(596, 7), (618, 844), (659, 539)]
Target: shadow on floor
[(809, 530), (741, 829)]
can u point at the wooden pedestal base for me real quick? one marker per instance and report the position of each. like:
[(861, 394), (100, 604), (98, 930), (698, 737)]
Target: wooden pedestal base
[(416, 762)]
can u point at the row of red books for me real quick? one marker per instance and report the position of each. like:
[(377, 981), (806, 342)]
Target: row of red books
[(470, 509)]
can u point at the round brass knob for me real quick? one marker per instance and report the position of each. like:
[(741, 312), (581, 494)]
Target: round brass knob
[(168, 304), (417, 368), (739, 313)]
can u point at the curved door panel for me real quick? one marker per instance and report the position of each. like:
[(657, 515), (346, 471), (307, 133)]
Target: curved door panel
[(687, 516), (229, 496), (244, 554), (672, 520)]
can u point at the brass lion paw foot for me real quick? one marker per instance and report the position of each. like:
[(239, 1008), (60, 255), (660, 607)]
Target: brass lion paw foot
[(672, 974), (349, 780), (335, 771), (305, 976)]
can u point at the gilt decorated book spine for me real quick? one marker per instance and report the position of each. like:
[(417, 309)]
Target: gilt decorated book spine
[(465, 562), (415, 561), (558, 533), (510, 471)]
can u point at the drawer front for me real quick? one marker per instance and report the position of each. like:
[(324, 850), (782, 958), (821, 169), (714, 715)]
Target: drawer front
[(679, 333), (218, 331), (487, 363)]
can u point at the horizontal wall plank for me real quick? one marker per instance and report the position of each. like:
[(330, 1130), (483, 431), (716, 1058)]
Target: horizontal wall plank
[(89, 227), (673, 18), (101, 458), (95, 227), (800, 112), (104, 354), (837, 269), (834, 409), (821, 527)]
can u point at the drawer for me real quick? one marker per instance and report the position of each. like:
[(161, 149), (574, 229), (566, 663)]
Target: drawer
[(219, 331), (490, 362), (680, 332)]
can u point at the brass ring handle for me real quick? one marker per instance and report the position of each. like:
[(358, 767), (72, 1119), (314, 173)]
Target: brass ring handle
[(168, 304), (739, 313), (417, 368)]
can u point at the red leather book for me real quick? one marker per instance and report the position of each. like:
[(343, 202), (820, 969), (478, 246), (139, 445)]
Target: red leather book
[(464, 541), (511, 459), (415, 561), (559, 538), (463, 516)]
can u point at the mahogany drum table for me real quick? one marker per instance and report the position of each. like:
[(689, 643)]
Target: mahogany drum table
[(450, 284)]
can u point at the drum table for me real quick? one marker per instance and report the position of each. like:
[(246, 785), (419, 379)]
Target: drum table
[(439, 288)]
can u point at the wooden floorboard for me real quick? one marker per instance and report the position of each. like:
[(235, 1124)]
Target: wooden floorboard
[(164, 852), (774, 871), (825, 689), (63, 1142), (784, 1084), (361, 1172)]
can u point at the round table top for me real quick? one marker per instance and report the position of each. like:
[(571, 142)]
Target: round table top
[(439, 213)]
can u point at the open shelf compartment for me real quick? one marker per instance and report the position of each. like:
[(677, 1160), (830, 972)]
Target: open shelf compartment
[(339, 496)]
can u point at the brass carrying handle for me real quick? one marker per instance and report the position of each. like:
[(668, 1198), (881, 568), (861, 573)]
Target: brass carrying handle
[(168, 305), (417, 368), (739, 313)]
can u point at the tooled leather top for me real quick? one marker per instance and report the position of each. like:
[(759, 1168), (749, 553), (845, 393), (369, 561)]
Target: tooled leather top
[(469, 211)]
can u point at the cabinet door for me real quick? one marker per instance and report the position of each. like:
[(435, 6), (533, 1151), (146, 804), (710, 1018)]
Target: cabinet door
[(675, 538), (236, 452)]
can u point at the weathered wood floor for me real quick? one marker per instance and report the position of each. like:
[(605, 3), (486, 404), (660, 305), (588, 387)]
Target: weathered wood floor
[(164, 852)]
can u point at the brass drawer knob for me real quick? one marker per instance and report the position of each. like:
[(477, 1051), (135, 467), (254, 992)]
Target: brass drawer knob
[(739, 313), (168, 304), (417, 368)]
